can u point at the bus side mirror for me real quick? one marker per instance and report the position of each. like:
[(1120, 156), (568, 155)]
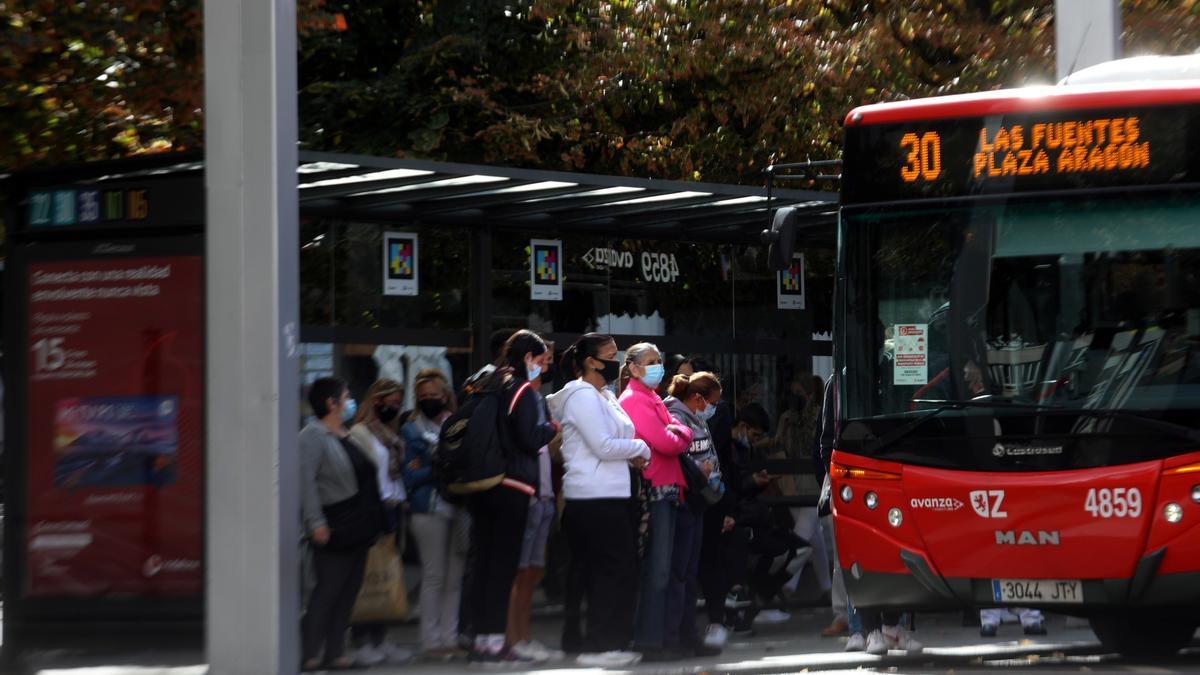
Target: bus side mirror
[(781, 238)]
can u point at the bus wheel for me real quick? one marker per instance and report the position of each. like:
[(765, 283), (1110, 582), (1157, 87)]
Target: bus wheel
[(1139, 634)]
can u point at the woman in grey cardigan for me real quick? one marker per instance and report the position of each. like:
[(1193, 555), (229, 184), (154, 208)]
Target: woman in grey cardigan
[(342, 515), (693, 401)]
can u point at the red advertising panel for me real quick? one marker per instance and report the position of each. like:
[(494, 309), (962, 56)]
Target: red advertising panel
[(115, 401)]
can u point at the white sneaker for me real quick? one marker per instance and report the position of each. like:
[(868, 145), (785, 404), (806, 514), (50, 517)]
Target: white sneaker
[(540, 652), (396, 654), (856, 643), (771, 616), (876, 644), (609, 660), (367, 655), (716, 636), (899, 638), (527, 651)]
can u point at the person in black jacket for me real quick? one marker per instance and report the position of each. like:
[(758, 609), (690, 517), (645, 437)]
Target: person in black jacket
[(498, 515)]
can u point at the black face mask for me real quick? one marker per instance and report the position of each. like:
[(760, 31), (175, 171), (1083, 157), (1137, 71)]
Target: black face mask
[(431, 407), (611, 370), (386, 413)]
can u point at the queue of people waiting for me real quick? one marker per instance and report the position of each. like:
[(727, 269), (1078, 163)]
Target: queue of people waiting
[(657, 499)]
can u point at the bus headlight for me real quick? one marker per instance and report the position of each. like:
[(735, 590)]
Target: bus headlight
[(895, 518), (1173, 512), (871, 500), (1196, 493), (847, 493)]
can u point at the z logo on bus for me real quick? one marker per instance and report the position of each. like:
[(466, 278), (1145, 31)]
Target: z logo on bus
[(987, 503)]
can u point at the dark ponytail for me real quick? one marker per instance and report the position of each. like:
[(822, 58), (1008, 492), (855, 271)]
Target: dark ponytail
[(584, 348)]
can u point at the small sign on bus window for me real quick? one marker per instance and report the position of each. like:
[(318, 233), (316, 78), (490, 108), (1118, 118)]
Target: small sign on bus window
[(911, 356)]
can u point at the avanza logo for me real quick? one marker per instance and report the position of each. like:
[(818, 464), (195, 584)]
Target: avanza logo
[(1026, 538), (987, 503), (936, 503)]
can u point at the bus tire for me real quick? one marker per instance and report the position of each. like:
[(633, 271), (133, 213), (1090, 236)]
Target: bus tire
[(1143, 633)]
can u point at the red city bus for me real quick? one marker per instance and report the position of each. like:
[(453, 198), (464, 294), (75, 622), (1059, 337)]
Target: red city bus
[(1018, 340)]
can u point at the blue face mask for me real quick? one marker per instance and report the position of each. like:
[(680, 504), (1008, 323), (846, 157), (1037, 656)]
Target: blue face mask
[(708, 412), (350, 410), (654, 375), (533, 372)]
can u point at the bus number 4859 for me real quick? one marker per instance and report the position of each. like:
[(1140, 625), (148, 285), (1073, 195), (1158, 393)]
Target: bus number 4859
[(1114, 503)]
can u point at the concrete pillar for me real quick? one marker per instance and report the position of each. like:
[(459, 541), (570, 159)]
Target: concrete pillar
[(1086, 32), (252, 467)]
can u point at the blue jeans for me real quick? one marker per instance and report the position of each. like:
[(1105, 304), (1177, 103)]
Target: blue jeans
[(853, 619), (680, 626), (656, 573)]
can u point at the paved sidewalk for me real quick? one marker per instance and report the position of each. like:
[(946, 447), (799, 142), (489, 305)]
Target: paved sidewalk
[(785, 648)]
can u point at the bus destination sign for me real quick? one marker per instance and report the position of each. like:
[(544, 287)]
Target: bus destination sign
[(1018, 153)]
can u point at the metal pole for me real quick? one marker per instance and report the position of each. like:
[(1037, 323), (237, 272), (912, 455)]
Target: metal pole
[(1086, 32), (252, 469)]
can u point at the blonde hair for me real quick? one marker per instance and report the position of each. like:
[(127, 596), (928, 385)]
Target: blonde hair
[(381, 389), (439, 379)]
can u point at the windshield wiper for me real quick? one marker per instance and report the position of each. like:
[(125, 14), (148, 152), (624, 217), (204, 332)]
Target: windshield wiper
[(911, 426), (1171, 428)]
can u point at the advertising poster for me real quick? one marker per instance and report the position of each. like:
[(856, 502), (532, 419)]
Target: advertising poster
[(399, 263), (911, 365), (545, 269), (115, 397), (791, 284)]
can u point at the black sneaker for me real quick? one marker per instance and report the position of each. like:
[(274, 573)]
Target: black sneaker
[(988, 629), (1038, 628), (743, 622)]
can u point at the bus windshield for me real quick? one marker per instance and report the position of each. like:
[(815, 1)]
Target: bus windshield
[(1083, 303)]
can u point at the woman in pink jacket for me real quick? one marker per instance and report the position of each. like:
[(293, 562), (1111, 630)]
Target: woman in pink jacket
[(667, 438)]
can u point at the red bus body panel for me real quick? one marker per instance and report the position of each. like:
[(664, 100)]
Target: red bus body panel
[(1041, 517)]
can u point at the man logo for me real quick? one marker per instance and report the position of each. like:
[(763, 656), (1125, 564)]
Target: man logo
[(1026, 538), (987, 503), (998, 450)]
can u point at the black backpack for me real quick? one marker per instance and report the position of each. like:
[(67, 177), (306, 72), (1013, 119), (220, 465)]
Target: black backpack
[(472, 451)]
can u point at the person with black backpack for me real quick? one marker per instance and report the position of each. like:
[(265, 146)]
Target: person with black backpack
[(499, 512)]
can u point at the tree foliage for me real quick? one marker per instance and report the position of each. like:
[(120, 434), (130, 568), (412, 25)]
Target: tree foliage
[(682, 89), (98, 79)]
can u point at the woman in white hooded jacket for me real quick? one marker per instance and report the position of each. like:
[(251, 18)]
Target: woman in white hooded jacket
[(599, 517)]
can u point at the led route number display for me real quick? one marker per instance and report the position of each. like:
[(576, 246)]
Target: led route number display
[(1016, 153), (1087, 145)]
